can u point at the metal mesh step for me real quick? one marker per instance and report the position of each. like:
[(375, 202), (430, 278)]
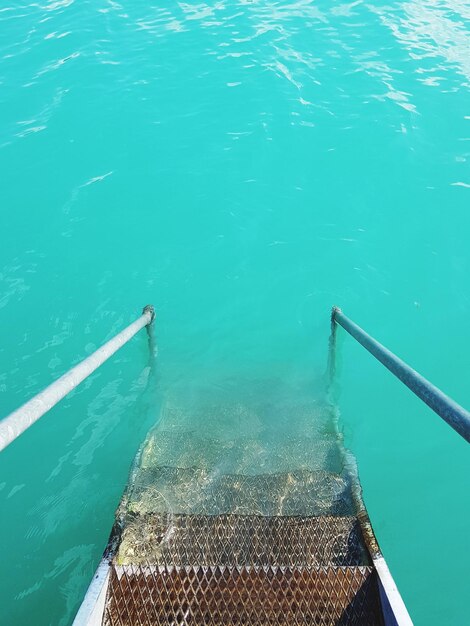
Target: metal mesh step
[(248, 596), (195, 491), (237, 540), (247, 411), (264, 454)]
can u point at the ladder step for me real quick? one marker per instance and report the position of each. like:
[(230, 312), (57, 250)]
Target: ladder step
[(194, 491), (227, 596), (241, 455), (239, 540)]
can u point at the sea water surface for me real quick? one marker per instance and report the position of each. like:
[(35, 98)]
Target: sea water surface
[(243, 166)]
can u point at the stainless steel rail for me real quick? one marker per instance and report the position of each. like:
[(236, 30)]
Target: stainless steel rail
[(17, 422), (455, 415)]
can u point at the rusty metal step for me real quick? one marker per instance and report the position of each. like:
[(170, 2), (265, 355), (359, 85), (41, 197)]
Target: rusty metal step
[(241, 540), (248, 596)]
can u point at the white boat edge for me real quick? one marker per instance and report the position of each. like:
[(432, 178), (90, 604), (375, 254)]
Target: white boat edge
[(91, 610), (394, 610)]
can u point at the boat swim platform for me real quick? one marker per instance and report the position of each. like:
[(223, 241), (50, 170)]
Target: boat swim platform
[(223, 523)]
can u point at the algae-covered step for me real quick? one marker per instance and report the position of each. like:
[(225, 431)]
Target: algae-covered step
[(265, 453), (279, 409), (242, 540), (198, 491)]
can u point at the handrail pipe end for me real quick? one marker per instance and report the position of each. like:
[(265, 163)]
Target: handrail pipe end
[(150, 309), (335, 309)]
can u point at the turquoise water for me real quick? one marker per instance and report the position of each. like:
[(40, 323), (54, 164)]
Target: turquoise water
[(243, 166)]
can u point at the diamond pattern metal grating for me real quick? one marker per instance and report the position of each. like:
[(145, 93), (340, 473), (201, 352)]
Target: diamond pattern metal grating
[(195, 491), (256, 596), (229, 570), (239, 540)]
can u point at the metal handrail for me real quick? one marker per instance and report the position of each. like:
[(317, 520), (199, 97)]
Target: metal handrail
[(455, 415), (17, 422)]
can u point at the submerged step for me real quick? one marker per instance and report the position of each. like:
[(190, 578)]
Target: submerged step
[(277, 411), (221, 596), (264, 454), (194, 491), (239, 540)]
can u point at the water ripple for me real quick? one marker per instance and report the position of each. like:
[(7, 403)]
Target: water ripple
[(433, 31), (244, 164)]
